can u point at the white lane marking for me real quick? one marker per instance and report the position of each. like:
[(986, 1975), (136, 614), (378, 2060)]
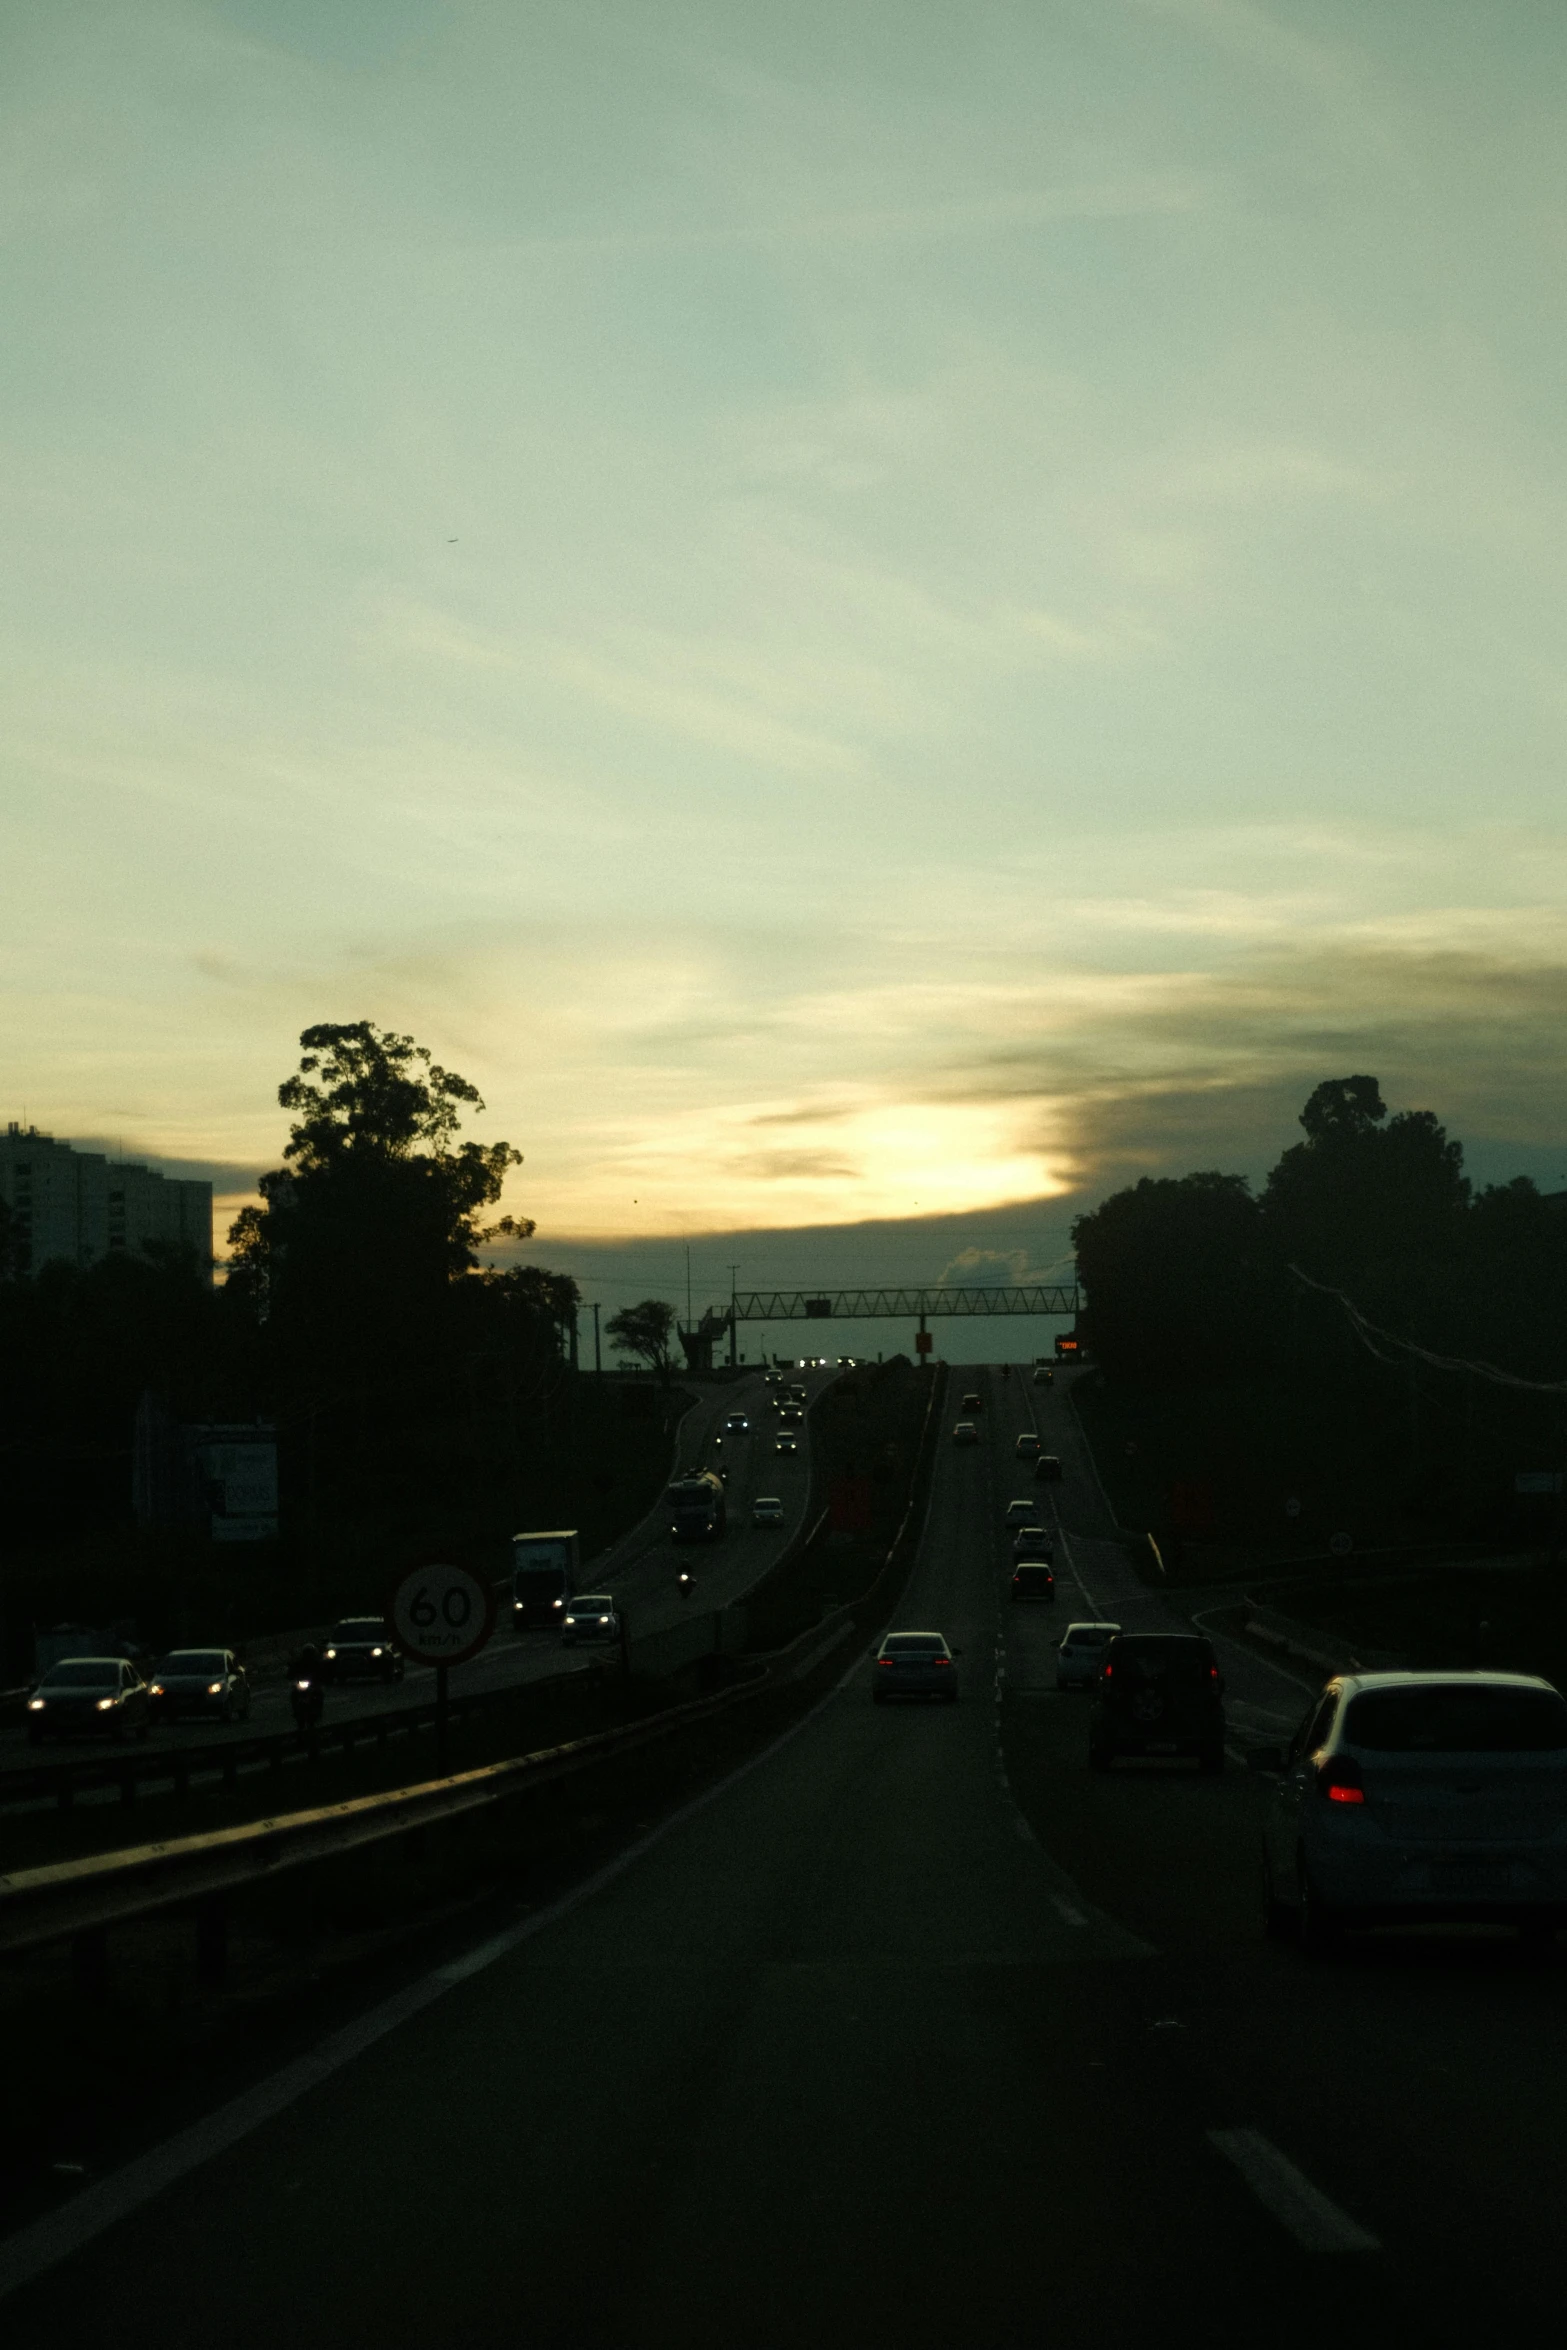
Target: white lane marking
[(1073, 1917), (33, 2250), (1280, 2188)]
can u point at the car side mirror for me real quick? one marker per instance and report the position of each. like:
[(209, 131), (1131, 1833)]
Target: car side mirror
[(1265, 1758)]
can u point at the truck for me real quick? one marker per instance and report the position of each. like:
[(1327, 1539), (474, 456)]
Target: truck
[(543, 1578), (697, 1508)]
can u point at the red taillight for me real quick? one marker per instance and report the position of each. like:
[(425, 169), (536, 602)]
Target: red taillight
[(1105, 1671), (941, 1660), (885, 1663), (1339, 1780)]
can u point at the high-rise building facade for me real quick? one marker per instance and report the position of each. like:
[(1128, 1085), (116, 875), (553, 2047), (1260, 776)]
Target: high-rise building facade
[(81, 1206)]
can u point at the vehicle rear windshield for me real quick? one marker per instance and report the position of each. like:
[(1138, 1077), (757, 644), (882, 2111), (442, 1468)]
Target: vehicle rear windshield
[(1457, 1718), (84, 1673), (192, 1660), (1179, 1660), (920, 1643), (1035, 1574)]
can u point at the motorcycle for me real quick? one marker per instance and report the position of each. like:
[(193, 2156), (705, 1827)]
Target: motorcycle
[(685, 1582), (307, 1697)]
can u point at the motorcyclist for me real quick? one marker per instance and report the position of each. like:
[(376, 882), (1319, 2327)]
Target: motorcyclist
[(685, 1581), (307, 1678)]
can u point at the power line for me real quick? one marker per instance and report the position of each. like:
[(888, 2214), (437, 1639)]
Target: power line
[(1369, 1332)]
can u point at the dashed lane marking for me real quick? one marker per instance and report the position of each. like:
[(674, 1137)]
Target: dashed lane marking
[(1313, 2221)]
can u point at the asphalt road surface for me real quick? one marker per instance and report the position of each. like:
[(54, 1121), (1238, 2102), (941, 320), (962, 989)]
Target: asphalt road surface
[(641, 1570), (915, 2032)]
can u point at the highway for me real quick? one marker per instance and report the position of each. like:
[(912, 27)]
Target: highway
[(640, 1569), (913, 2032)]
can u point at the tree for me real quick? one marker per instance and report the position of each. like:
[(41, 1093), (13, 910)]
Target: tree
[(1367, 1202), (1177, 1280), (363, 1235), (644, 1332)]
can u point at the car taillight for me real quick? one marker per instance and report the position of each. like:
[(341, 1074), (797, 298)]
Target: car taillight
[(1107, 1670), (941, 1660), (1340, 1780), (885, 1662)]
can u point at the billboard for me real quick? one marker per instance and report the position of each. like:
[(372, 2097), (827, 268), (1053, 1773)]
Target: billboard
[(237, 1470)]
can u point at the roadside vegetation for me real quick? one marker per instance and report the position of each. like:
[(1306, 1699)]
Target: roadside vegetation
[(1264, 1363), (422, 1398)]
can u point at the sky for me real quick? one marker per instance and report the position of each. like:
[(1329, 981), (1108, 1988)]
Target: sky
[(876, 618)]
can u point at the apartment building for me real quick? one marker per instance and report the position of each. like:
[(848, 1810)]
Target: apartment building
[(82, 1206)]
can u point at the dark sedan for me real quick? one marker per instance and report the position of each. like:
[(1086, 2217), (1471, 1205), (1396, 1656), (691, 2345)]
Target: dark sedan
[(88, 1696), (1047, 1469), (361, 1648), (200, 1681)]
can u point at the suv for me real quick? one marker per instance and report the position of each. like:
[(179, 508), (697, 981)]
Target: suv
[(1159, 1693), (362, 1648)]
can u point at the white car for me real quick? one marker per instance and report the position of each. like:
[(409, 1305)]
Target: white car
[(1081, 1653), (592, 1615), (767, 1510), (1408, 1798)]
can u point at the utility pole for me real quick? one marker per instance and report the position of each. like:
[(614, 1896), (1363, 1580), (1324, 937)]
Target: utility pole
[(598, 1361), (733, 1333), (688, 1284)]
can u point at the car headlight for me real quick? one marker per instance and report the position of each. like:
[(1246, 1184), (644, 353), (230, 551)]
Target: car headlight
[(214, 1689), (557, 1603), (331, 1656), (603, 1619), (35, 1705), (157, 1690), (107, 1705), (378, 1652)]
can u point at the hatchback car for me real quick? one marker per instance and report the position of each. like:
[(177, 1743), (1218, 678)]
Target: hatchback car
[(1160, 1693), (1033, 1578), (1034, 1542), (1027, 1446), (1023, 1512), (1047, 1469), (1420, 1797), (200, 1681), (965, 1432), (592, 1615), (361, 1648), (973, 1403), (1081, 1653), (915, 1664), (767, 1510), (88, 1696), (787, 1442)]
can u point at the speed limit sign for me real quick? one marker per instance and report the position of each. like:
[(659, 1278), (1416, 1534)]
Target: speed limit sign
[(442, 1615)]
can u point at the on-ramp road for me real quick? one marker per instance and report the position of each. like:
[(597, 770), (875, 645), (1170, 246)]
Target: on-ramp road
[(912, 2033)]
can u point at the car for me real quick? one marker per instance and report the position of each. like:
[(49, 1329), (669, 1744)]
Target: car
[(798, 1393), (1047, 1469), (86, 1695), (1034, 1542), (786, 1442), (915, 1664), (592, 1615), (1027, 1446), (973, 1403), (361, 1648), (1033, 1578), (200, 1681), (791, 1415), (1419, 1797), (965, 1432), (1159, 1693), (1022, 1512), (736, 1423), (1081, 1653), (1044, 1376), (767, 1510)]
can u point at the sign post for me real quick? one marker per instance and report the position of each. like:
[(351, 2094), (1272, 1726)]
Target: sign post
[(441, 1615)]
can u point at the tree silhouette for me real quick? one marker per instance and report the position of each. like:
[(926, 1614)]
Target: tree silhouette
[(644, 1332)]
